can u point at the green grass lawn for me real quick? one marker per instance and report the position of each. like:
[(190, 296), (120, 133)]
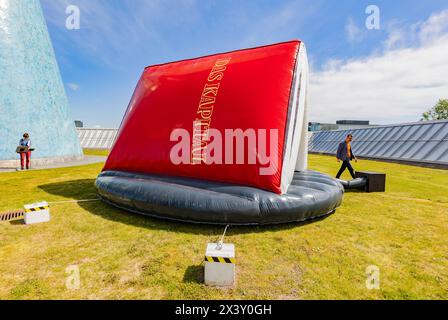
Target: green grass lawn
[(96, 152), (404, 232)]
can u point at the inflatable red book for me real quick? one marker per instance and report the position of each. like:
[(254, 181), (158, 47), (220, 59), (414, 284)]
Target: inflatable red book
[(237, 117)]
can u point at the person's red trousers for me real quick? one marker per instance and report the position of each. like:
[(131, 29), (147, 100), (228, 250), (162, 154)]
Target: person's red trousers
[(23, 156)]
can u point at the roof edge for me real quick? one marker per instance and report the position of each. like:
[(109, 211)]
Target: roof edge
[(390, 125)]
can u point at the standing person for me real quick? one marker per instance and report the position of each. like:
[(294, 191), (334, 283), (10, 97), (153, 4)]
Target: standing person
[(345, 154), (25, 142)]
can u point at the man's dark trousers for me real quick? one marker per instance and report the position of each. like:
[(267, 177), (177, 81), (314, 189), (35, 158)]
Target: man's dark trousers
[(346, 165)]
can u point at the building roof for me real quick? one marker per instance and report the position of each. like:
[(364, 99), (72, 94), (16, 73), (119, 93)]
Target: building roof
[(96, 138), (419, 142)]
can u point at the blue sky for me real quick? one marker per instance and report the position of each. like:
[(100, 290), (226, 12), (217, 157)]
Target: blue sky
[(356, 73)]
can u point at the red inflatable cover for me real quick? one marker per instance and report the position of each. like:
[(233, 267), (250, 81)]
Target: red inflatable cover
[(244, 89)]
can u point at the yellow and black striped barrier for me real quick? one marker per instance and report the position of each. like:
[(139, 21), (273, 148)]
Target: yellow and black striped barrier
[(37, 208), (37, 212), (219, 259), (10, 216)]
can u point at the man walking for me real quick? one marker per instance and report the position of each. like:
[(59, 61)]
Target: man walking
[(345, 154)]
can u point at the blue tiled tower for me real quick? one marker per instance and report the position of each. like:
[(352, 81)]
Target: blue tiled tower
[(32, 95)]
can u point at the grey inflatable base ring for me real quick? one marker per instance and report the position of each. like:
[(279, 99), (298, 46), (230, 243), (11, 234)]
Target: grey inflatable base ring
[(311, 195)]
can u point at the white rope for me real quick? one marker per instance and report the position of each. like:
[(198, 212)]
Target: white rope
[(220, 242), (74, 201)]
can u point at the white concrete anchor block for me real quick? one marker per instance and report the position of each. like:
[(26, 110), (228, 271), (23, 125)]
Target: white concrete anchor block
[(219, 265), (37, 212)]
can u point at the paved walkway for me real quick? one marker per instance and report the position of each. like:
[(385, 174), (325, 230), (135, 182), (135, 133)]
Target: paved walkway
[(73, 163)]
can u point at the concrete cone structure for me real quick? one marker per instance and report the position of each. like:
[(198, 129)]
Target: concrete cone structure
[(32, 95)]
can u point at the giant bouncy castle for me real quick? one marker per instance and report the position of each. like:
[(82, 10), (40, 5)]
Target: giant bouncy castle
[(220, 139), (32, 95)]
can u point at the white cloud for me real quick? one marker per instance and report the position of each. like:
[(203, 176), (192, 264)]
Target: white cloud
[(112, 30), (354, 33), (434, 28), (408, 77), (73, 86), (395, 39)]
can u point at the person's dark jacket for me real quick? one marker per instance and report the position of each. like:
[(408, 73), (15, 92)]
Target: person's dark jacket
[(342, 153)]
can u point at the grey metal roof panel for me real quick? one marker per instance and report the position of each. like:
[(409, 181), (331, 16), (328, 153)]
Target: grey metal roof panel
[(440, 153), (442, 133), (419, 141), (97, 138)]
